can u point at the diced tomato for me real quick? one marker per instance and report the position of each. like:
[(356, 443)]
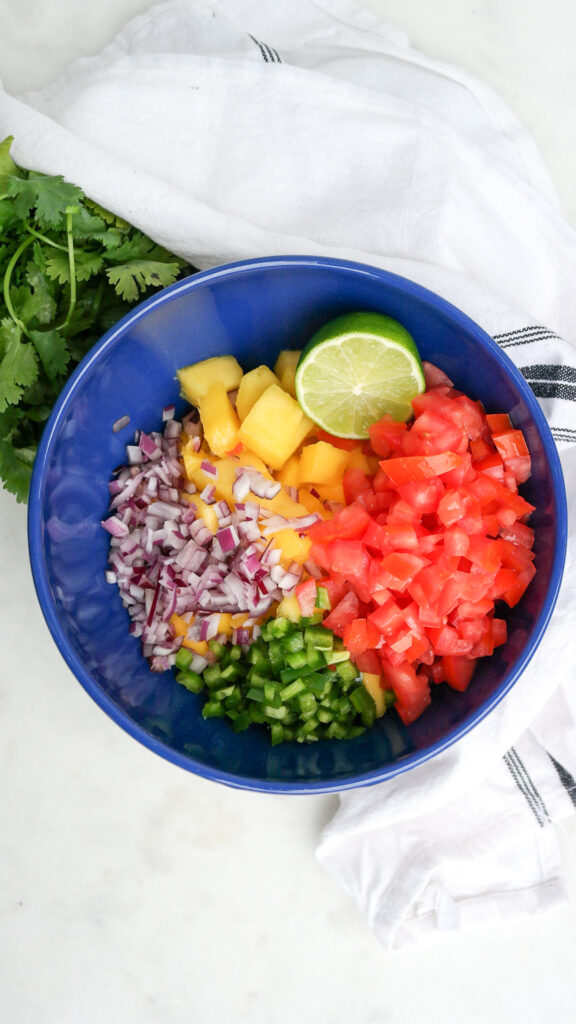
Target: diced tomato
[(425, 546), (386, 435), (518, 533), (306, 594), (447, 641), (419, 467), (499, 632), (348, 523), (423, 495), (458, 671), (355, 482), (349, 557), (345, 611), (498, 422), (359, 636), (388, 618), (432, 433), (510, 443), (412, 690), (470, 416), (456, 541), (369, 661)]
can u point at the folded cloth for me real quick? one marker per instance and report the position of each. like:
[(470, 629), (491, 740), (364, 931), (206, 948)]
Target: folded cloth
[(234, 128)]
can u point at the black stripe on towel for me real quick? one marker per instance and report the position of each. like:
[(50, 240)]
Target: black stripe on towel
[(563, 433), (270, 55), (530, 782), (526, 786), (274, 55), (566, 779), (541, 372), (530, 329), (262, 50), (554, 389)]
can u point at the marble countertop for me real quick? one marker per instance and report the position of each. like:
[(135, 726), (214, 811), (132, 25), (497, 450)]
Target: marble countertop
[(132, 892)]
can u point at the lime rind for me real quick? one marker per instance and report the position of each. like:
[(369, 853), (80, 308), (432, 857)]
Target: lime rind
[(348, 379)]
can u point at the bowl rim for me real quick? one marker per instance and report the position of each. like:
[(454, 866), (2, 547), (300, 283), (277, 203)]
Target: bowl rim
[(39, 566)]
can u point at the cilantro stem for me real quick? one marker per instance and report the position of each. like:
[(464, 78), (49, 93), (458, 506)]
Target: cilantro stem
[(44, 238), (7, 278), (70, 211)]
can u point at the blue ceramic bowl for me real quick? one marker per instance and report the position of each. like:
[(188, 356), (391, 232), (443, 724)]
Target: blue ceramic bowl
[(253, 310)]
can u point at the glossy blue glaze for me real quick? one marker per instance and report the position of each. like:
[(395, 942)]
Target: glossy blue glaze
[(254, 309)]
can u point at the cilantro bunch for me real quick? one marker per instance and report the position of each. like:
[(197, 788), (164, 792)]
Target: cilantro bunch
[(68, 271)]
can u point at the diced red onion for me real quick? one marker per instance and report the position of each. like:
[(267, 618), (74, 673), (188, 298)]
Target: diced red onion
[(115, 526), (209, 494), (241, 487), (167, 413), (166, 561), (209, 469)]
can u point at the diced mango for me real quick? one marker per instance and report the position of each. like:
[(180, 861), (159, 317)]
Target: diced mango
[(252, 385), (179, 625), (288, 475), (331, 492), (358, 460), (206, 512), (294, 547), (219, 420), (285, 370), (322, 463), (289, 609), (373, 684), (225, 624), (192, 461), (311, 502), (274, 427), (198, 646), (197, 379)]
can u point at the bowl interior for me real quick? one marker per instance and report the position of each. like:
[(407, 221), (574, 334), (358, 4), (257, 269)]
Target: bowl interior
[(253, 310)]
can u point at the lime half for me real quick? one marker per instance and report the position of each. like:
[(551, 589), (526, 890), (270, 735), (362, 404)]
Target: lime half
[(354, 370)]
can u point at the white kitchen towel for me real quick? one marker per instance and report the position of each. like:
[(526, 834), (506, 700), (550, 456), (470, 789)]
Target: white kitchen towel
[(235, 128)]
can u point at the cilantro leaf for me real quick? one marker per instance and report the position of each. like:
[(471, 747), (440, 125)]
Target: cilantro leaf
[(16, 469), (86, 264), (7, 165), (141, 274), (53, 351), (49, 196), (19, 365), (43, 305)]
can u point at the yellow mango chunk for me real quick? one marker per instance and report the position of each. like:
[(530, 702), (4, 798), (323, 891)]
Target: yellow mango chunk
[(285, 370), (289, 609), (373, 684), (206, 512), (274, 427), (179, 625), (288, 475), (219, 420), (322, 463), (357, 460), (331, 492), (197, 379), (294, 548), (252, 385), (311, 502), (198, 646), (191, 460)]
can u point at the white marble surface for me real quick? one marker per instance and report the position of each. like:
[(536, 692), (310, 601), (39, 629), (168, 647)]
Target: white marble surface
[(134, 893)]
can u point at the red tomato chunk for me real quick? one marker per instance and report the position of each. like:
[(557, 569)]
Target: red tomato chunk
[(416, 560)]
